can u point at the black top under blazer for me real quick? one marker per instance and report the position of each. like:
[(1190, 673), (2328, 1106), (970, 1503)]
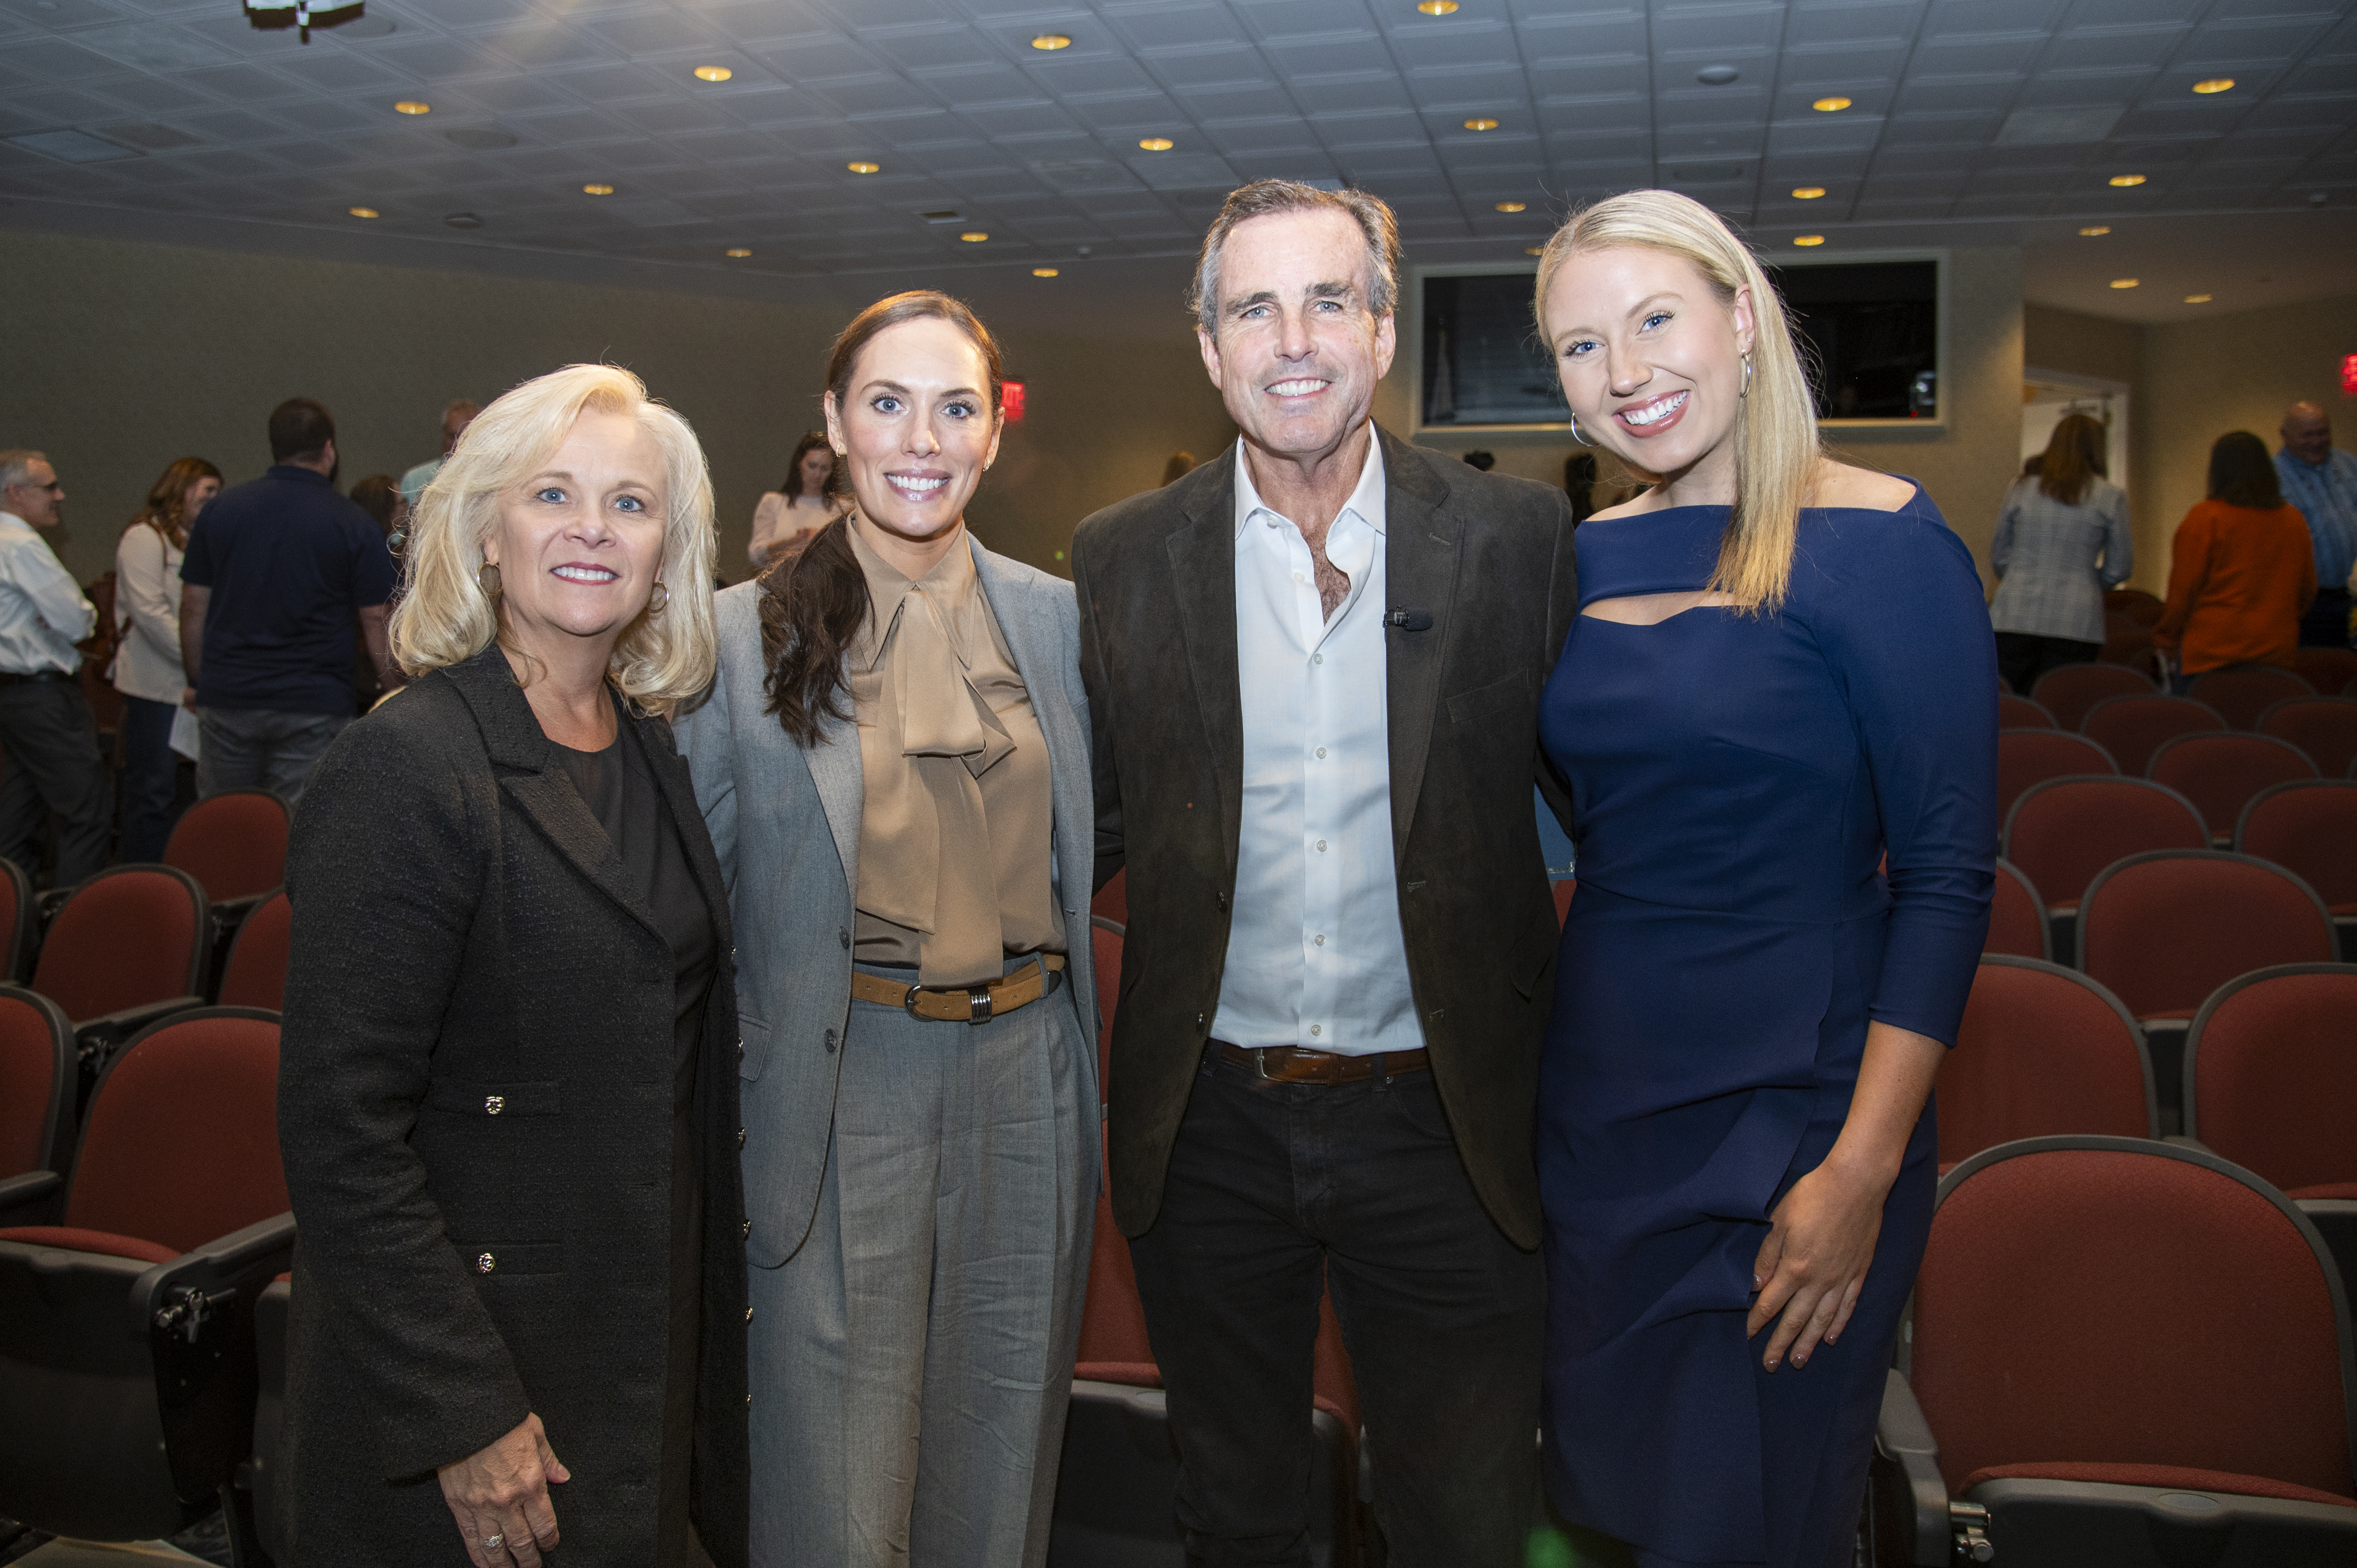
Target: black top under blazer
[(477, 1062), (1490, 559)]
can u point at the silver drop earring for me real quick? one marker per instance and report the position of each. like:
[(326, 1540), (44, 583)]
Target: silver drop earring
[(1576, 436), (1747, 379)]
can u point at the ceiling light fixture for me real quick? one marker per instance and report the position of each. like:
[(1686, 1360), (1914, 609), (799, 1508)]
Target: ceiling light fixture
[(1053, 42), (2127, 283), (2092, 230), (2197, 299), (865, 167), (1513, 207), (974, 236), (2125, 181), (411, 106), (1481, 124), (1830, 105), (1043, 272), (2215, 84), (1437, 8), (1808, 239), (1718, 76), (1534, 250), (737, 253), (597, 190), (363, 211), (713, 73), (1156, 143), (1807, 192)]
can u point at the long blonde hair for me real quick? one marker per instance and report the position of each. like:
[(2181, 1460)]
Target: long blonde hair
[(1776, 443), (663, 657)]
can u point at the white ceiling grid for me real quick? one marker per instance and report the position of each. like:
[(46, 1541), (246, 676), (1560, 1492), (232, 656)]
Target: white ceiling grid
[(1962, 110)]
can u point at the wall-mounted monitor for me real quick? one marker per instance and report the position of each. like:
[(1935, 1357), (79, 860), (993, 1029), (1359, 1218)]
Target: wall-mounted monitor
[(1873, 332)]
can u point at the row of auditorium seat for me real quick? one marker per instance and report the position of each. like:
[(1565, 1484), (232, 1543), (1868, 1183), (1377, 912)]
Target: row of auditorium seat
[(2131, 725)]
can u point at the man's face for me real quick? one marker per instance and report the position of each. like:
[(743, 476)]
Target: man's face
[(39, 500), (1298, 350), (454, 426), (2307, 435)]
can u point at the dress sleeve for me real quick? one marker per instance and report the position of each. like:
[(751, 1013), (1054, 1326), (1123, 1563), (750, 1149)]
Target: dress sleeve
[(1908, 640)]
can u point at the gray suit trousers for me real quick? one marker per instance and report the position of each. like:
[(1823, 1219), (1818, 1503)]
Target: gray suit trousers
[(912, 1362)]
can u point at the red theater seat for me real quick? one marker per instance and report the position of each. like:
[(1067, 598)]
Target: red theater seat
[(2326, 669), (2063, 831), (233, 844), (2020, 713), (2017, 919), (2132, 728), (2028, 756), (128, 938), (2220, 773), (2309, 827), (256, 975), (2069, 692), (2243, 694), (1112, 900), (2324, 727), (17, 906), (2042, 1050), (2271, 1076), (37, 1087)]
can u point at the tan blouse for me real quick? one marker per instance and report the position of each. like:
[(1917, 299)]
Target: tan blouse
[(954, 828)]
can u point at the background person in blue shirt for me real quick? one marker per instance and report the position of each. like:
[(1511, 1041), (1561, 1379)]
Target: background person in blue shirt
[(2322, 481), (278, 570)]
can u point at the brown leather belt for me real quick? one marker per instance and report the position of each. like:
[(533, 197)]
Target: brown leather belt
[(1290, 1064), (971, 1004), (9, 678)]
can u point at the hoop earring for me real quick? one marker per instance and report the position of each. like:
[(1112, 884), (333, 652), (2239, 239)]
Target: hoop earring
[(1747, 380), (658, 599), (487, 577), (1576, 436)]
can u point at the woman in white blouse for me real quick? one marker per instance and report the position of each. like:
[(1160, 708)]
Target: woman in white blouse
[(800, 507), (147, 668)]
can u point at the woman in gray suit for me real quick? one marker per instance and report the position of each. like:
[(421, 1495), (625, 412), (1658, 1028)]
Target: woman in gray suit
[(894, 764)]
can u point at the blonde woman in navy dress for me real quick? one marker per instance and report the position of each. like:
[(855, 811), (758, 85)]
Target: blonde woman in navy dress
[(1782, 671)]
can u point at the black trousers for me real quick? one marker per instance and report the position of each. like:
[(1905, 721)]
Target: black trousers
[(1277, 1191), (2326, 625), (51, 744), (2022, 657)]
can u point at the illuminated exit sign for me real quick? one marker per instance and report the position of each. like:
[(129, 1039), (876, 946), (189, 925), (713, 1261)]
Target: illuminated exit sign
[(2349, 375)]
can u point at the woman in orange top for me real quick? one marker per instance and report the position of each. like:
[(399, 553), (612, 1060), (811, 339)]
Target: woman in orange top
[(2242, 573)]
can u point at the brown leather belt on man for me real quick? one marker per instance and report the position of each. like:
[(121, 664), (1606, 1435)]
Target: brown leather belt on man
[(1291, 1064)]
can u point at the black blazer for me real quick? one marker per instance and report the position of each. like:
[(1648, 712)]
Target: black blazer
[(1488, 558), (461, 933)]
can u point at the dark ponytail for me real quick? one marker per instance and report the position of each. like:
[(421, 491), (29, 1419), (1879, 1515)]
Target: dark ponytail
[(813, 601)]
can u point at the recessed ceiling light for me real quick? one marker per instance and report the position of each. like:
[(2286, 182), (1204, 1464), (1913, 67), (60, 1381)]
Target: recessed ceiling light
[(1808, 239), (2215, 84), (974, 236), (2092, 230), (1534, 250), (2128, 179), (1156, 143), (1437, 8), (864, 167), (2197, 299), (597, 190), (737, 253), (2125, 282), (1807, 192), (1830, 105), (713, 73), (362, 211), (1043, 272), (1481, 124), (1053, 42), (411, 106), (1513, 206)]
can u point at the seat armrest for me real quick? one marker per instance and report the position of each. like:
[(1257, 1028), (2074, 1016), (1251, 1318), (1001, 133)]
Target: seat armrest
[(1917, 1499), (233, 1262), (108, 1030), (29, 1198), (2182, 1141)]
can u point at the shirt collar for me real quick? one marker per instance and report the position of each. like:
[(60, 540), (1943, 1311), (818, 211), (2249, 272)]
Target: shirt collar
[(1366, 499), (950, 580), (7, 518), (296, 472)]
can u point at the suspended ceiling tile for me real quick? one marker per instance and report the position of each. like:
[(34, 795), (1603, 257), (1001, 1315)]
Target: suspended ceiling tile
[(1297, 18), (1037, 119), (1730, 108), (1709, 28), (2300, 114), (1342, 54), (1349, 95), (1205, 105), (1228, 66), (1494, 90), (1559, 117), (2132, 13), (1107, 76), (1851, 22), (430, 60), (650, 32), (1149, 27), (1552, 35), (148, 94)]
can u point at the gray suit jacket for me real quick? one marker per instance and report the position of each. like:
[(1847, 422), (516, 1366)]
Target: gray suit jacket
[(785, 823)]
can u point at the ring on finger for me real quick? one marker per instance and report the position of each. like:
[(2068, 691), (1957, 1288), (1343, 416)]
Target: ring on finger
[(493, 1542)]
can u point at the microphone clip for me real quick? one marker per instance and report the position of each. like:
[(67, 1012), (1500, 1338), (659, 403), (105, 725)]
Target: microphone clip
[(1407, 619)]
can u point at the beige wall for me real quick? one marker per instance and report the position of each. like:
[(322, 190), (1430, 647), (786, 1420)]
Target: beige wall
[(122, 357), (1964, 465), (2192, 382)]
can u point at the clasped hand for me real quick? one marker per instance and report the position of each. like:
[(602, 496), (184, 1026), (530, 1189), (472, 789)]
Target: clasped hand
[(500, 1495), (1810, 1268)]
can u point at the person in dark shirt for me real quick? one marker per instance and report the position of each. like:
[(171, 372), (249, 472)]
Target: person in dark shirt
[(278, 572)]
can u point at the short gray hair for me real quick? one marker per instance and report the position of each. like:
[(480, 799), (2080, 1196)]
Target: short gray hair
[(1263, 197), (17, 465)]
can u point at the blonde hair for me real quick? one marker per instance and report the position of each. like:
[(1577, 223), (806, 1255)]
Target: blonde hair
[(661, 659), (1776, 443)]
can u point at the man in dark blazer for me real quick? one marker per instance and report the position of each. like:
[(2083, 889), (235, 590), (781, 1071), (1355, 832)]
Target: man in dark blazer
[(1314, 666)]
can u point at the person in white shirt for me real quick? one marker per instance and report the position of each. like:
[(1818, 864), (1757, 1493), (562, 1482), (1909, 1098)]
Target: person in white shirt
[(1313, 667), (798, 508), (46, 728), (147, 668), (455, 420)]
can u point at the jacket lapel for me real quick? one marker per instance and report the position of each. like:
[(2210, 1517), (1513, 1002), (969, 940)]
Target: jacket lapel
[(1203, 554), (1421, 539), (835, 770), (1035, 639)]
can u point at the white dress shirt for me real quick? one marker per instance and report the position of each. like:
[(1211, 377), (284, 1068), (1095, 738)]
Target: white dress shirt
[(1315, 954), (42, 612)]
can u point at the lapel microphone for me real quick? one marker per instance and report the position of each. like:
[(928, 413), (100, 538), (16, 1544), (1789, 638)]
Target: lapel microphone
[(1408, 620)]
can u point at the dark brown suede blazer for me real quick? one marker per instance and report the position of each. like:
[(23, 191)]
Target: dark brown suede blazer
[(1488, 559)]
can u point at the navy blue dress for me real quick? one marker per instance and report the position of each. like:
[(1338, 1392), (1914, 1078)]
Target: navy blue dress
[(1737, 780)]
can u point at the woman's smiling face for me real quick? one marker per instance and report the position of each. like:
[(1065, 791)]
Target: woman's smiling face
[(1651, 357), (579, 542), (917, 428)]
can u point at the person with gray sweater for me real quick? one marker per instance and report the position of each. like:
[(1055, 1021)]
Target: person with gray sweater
[(2061, 541)]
